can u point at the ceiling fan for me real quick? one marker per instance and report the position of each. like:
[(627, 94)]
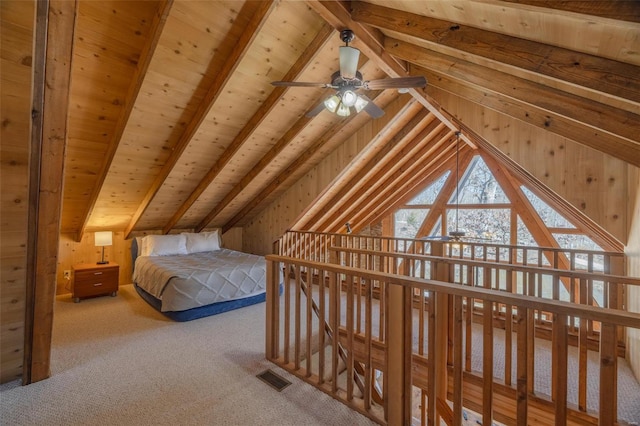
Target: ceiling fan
[(348, 81)]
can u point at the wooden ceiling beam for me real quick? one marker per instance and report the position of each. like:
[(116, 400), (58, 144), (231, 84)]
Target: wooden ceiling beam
[(336, 13), (371, 175), (423, 179), (617, 146), (623, 10), (279, 180), (344, 184), (256, 13), (603, 75), (535, 99), (272, 100), (381, 132), (383, 192), (156, 28)]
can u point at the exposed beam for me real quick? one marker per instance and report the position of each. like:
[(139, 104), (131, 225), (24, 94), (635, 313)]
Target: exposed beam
[(403, 179), (53, 44), (372, 44), (623, 10), (421, 181), (294, 72), (278, 181), (614, 78), (256, 13), (371, 176), (156, 27), (616, 128), (347, 186), (614, 145)]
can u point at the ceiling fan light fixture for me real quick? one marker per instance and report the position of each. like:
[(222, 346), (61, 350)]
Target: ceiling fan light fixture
[(360, 104), (348, 62), (332, 103), (349, 98), (343, 110)]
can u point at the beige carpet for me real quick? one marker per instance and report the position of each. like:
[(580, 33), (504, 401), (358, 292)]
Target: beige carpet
[(116, 361)]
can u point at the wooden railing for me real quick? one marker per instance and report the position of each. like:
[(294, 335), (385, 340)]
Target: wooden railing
[(399, 349), (315, 246)]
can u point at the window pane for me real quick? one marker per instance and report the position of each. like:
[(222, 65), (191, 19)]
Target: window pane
[(408, 221), (491, 224), (549, 216)]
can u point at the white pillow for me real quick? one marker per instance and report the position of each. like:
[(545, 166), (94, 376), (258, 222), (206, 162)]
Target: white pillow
[(164, 245), (203, 241)]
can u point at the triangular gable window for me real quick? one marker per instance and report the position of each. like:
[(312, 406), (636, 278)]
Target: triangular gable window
[(479, 186), (549, 216)]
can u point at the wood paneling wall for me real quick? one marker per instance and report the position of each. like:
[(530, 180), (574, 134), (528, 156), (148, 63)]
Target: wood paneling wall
[(71, 252), (633, 268), (16, 29), (593, 182), (269, 224)]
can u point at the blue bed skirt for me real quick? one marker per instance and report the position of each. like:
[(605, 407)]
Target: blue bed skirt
[(201, 311)]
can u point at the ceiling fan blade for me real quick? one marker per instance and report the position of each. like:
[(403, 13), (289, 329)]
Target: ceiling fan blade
[(372, 109), (395, 83), (317, 110), (301, 84)]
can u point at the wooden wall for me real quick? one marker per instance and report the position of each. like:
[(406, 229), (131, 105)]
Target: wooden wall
[(71, 252), (633, 269), (593, 182), (16, 30), (273, 221)]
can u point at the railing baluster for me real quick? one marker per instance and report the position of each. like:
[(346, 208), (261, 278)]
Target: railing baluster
[(309, 294), (583, 365), (487, 353), (350, 283), (608, 375), (297, 320), (559, 368), (522, 389), (321, 325), (457, 360)]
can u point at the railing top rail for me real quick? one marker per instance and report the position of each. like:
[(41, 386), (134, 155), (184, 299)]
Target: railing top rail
[(470, 243), (568, 273), (608, 316)]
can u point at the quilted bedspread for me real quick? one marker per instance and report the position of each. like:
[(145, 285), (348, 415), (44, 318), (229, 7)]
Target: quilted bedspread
[(189, 281)]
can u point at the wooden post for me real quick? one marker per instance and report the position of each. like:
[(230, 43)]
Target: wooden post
[(441, 273), (272, 309), (608, 375), (399, 355), (55, 25)]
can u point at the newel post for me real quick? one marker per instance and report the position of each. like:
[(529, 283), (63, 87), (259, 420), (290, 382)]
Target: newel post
[(440, 272), (399, 354)]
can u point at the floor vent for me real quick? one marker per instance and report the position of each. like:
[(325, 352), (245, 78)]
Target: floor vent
[(272, 379)]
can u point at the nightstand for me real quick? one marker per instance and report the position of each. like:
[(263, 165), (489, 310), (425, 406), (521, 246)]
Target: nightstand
[(90, 279)]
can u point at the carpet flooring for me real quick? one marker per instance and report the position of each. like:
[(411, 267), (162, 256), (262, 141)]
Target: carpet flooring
[(116, 361)]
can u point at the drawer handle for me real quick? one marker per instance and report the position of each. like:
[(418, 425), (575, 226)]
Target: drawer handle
[(97, 273), (97, 284)]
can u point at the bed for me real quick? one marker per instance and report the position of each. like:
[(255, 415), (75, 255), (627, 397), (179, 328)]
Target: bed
[(189, 276)]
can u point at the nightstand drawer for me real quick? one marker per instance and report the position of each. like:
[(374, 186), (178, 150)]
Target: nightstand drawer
[(89, 277), (95, 280)]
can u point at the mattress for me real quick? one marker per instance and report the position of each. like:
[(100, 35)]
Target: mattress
[(184, 282)]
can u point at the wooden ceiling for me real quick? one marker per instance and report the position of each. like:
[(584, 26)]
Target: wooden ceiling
[(173, 122)]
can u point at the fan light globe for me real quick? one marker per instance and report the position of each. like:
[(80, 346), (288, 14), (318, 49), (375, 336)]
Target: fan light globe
[(360, 103), (332, 103), (343, 110), (349, 98)]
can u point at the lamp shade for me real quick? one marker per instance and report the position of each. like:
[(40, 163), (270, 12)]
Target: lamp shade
[(103, 238), (348, 62)]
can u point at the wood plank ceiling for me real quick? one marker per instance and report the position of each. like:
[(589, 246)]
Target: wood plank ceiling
[(173, 122)]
